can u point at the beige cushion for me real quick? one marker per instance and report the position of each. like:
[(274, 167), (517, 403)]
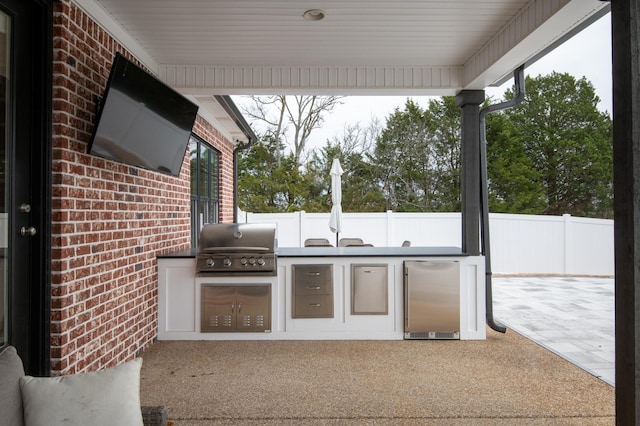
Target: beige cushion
[(108, 397), (11, 370)]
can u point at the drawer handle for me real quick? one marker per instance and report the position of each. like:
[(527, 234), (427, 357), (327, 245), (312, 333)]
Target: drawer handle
[(317, 305), (311, 287), (314, 274)]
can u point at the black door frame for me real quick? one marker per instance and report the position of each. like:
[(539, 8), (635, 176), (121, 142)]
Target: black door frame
[(29, 265)]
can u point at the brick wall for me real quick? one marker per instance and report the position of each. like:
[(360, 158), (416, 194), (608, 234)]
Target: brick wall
[(109, 220)]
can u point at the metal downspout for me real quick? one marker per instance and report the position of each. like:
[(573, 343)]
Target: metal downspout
[(234, 113), (518, 76)]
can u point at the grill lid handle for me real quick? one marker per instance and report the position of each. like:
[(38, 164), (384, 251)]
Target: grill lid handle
[(227, 249)]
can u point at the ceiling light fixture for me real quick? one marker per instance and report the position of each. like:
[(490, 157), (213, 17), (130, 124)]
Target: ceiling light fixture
[(313, 15)]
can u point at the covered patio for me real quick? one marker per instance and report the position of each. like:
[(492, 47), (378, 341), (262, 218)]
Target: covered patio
[(427, 48)]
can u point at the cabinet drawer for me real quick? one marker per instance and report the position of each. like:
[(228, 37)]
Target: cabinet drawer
[(312, 274), (313, 306), (307, 288)]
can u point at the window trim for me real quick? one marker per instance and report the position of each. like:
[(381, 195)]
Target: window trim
[(211, 199)]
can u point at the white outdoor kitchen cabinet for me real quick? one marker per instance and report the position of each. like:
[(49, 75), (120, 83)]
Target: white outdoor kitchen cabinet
[(356, 314)]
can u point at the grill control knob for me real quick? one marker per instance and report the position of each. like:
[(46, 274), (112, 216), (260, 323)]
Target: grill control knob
[(252, 260), (210, 262), (243, 261), (227, 262), (260, 261)]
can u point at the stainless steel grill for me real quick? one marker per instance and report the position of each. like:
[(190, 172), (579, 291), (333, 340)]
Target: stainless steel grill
[(237, 249)]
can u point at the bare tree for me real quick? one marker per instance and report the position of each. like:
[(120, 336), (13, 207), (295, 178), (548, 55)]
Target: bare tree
[(301, 113), (356, 139), (263, 109)]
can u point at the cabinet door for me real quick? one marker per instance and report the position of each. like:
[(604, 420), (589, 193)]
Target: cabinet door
[(369, 290), (432, 296), (253, 307), (218, 308)]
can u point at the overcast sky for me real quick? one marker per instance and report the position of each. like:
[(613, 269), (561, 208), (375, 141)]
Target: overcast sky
[(587, 54)]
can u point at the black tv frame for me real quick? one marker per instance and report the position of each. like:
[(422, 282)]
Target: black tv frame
[(142, 121)]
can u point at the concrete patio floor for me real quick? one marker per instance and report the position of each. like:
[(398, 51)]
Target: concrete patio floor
[(573, 317), (504, 380)]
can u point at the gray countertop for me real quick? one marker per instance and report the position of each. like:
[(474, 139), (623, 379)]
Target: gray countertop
[(191, 252), (368, 251), (344, 252)]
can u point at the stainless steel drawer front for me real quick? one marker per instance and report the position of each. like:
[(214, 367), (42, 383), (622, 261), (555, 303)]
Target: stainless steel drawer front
[(315, 274), (314, 306), (302, 288), (312, 291)]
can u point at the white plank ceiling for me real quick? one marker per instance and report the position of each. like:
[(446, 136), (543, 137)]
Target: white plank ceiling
[(365, 47)]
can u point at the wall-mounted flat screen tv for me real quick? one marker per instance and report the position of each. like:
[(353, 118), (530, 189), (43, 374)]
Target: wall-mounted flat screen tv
[(142, 121)]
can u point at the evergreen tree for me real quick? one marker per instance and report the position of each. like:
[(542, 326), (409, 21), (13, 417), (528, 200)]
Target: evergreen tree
[(553, 153), (360, 192), (550, 155), (417, 157), (269, 184)]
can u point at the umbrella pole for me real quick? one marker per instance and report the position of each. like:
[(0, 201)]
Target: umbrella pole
[(337, 239)]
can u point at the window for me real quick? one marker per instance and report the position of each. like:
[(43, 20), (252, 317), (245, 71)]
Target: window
[(205, 179)]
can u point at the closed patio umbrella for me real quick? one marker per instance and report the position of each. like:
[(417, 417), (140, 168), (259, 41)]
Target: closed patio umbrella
[(335, 219)]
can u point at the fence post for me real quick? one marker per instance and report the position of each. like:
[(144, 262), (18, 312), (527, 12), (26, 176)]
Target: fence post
[(568, 252), (301, 219), (389, 227)]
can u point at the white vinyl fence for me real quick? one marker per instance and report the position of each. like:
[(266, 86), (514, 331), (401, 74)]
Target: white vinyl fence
[(520, 244)]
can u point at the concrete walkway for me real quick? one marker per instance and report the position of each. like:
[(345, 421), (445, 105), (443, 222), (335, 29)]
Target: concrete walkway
[(571, 316)]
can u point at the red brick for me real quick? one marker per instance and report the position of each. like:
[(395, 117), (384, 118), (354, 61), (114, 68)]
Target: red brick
[(108, 223)]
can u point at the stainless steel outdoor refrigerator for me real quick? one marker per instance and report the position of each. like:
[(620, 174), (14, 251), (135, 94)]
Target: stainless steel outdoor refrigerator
[(431, 300)]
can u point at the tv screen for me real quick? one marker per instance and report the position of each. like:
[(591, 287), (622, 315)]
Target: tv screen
[(142, 121)]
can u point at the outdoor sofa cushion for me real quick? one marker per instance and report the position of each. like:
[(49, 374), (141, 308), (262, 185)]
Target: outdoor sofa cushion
[(107, 397), (11, 370), (11, 405)]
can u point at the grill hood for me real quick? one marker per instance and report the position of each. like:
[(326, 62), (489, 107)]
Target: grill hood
[(247, 248), (236, 237)]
